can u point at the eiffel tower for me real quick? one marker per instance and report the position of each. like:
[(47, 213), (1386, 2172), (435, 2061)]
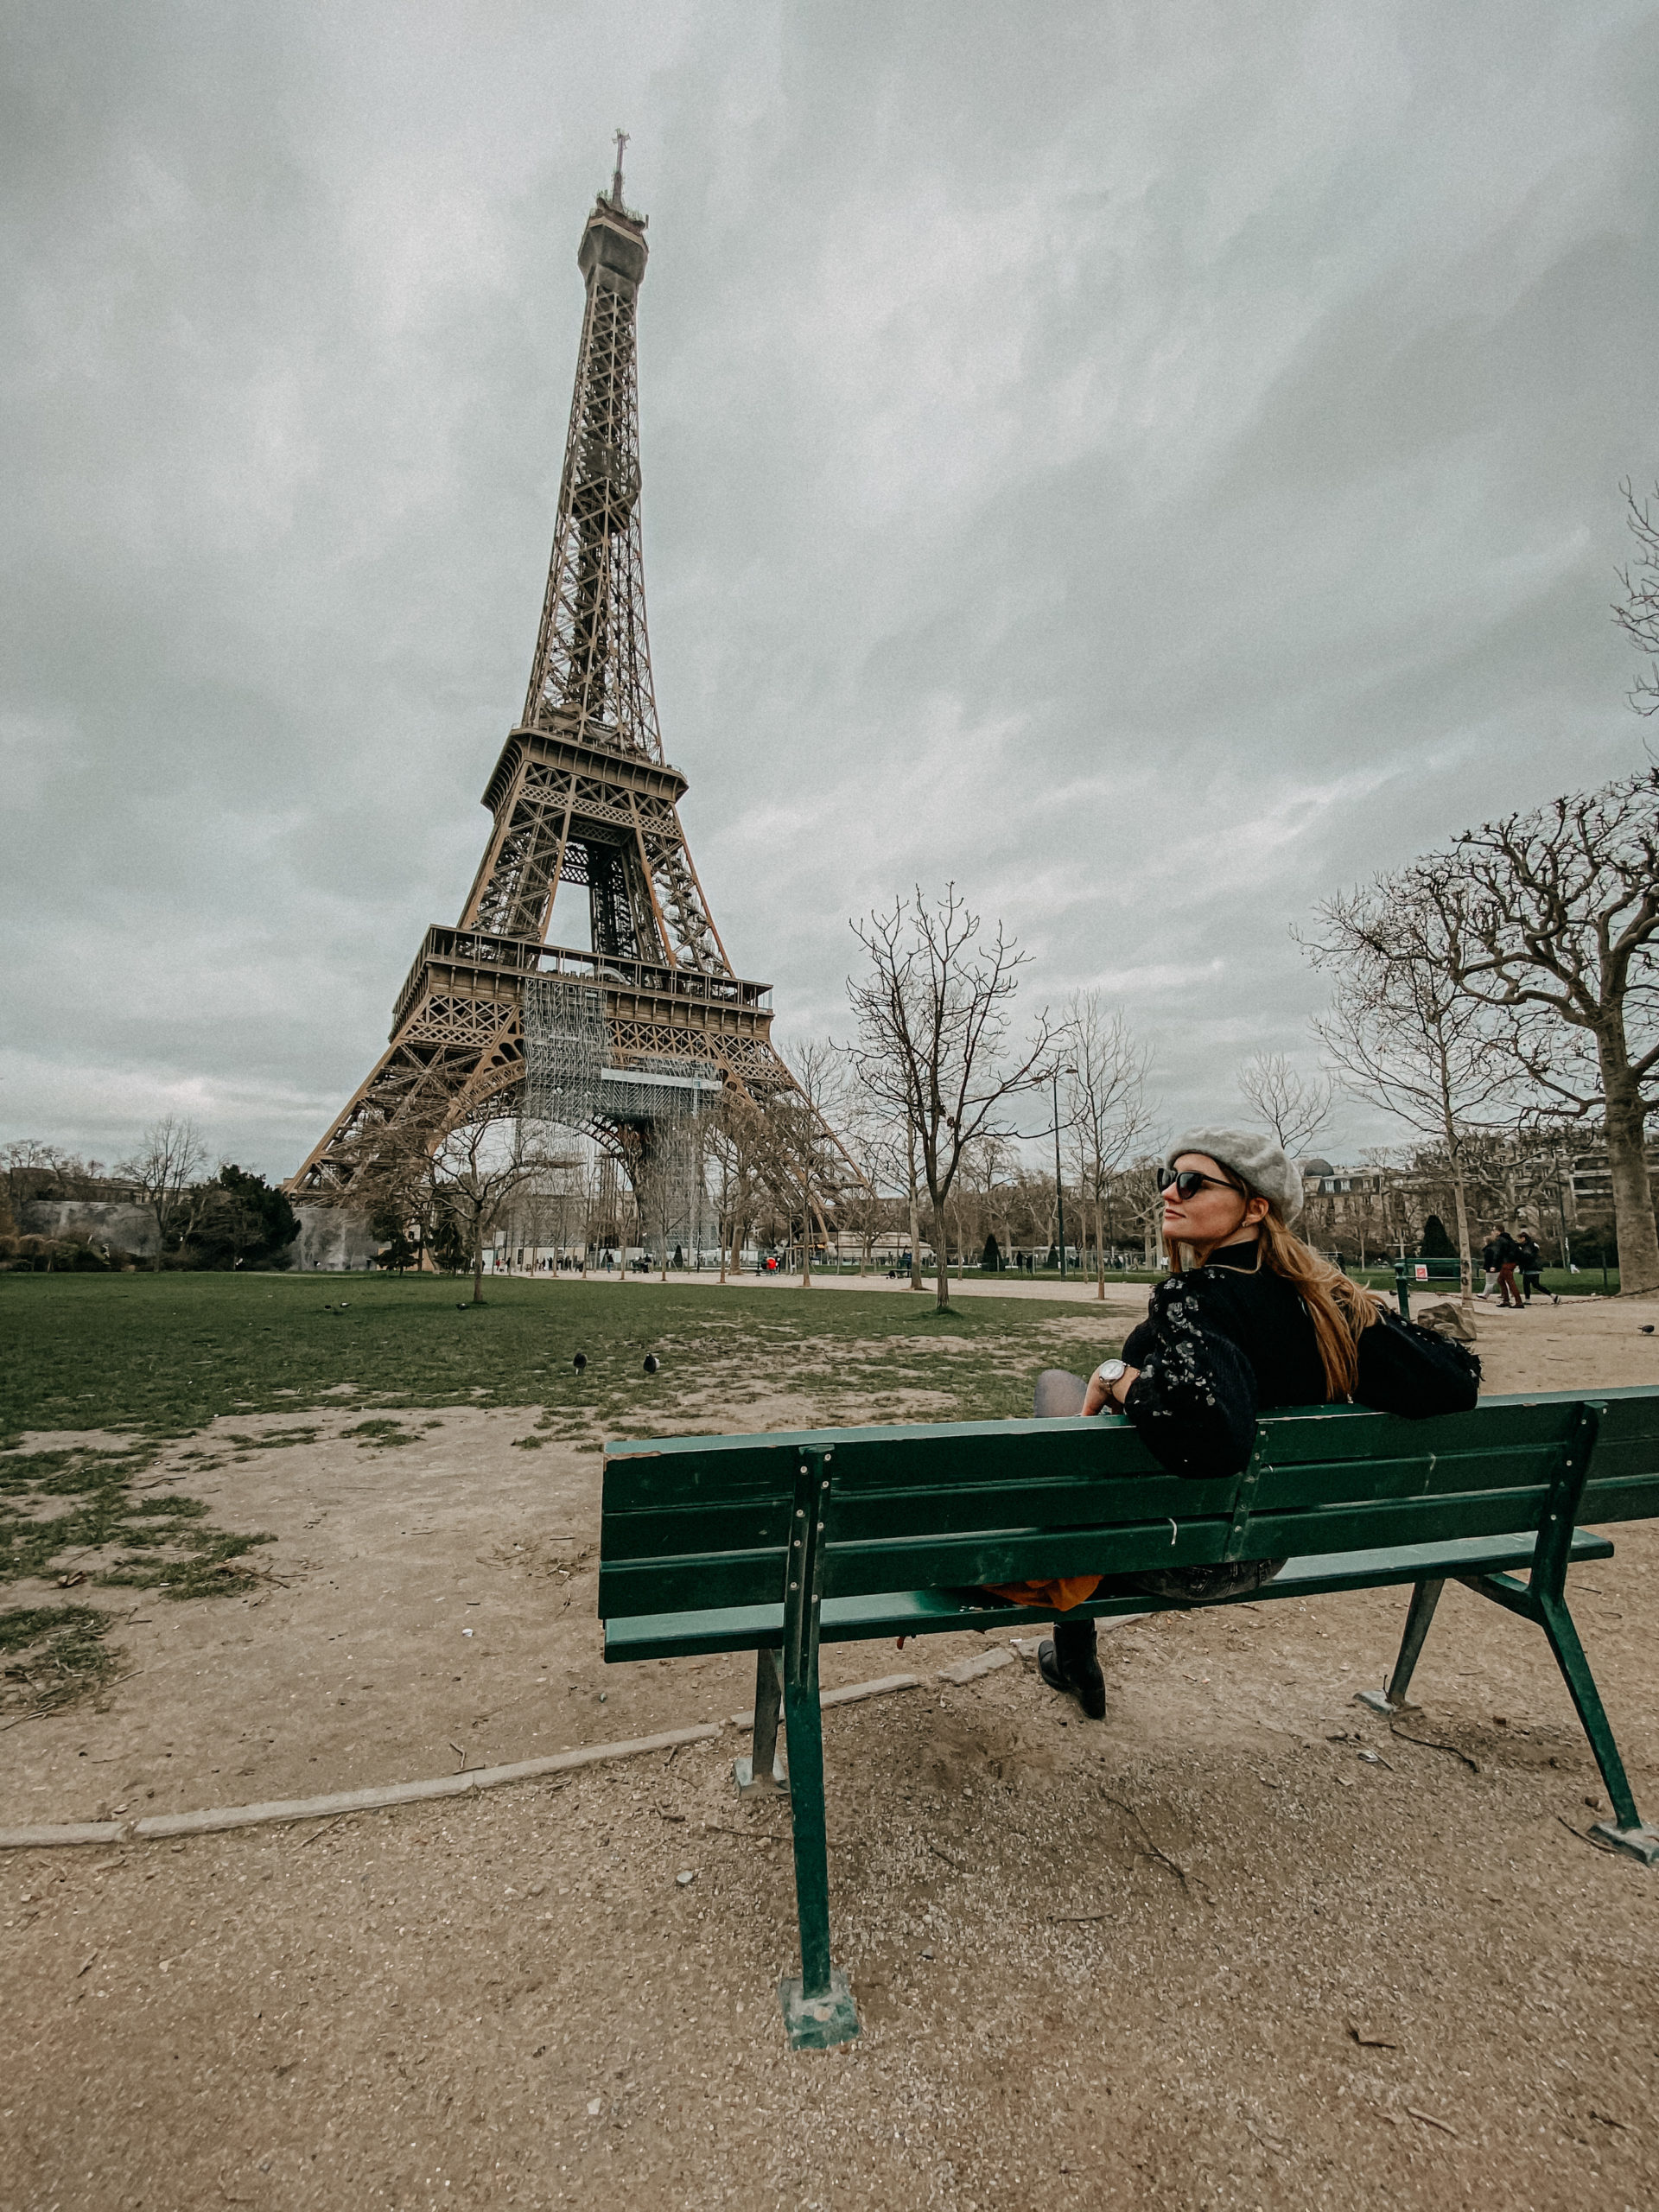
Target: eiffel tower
[(649, 1021)]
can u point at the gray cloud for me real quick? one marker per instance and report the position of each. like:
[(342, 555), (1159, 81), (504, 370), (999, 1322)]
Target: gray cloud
[(1149, 465)]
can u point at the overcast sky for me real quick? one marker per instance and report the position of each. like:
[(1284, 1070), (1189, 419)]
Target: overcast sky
[(1152, 462)]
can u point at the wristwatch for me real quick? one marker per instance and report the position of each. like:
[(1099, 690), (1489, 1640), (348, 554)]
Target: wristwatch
[(1111, 1373)]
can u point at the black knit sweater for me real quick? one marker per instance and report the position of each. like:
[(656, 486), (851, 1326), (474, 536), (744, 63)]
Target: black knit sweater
[(1230, 1339)]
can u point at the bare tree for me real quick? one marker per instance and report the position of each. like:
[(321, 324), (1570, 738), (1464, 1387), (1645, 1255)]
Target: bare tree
[(391, 1186), (913, 1167), (1296, 1107), (1405, 1036), (164, 1170), (477, 1169), (736, 1138), (1136, 1189), (1518, 1173), (986, 1167), (802, 1155), (1637, 613), (1552, 918), (589, 1177), (1106, 1107), (933, 1011), (35, 1170), (876, 1145), (660, 1165)]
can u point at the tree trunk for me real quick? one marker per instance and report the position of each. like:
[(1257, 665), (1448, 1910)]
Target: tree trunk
[(942, 1254), (916, 1282), (1466, 1263), (1627, 1162), (478, 1269), (1100, 1254)]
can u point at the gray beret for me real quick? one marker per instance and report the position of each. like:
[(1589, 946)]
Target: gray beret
[(1264, 1164)]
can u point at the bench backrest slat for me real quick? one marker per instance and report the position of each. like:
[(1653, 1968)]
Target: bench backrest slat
[(1624, 1482), (696, 1522)]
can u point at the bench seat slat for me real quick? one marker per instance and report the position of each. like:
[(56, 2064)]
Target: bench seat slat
[(926, 1612)]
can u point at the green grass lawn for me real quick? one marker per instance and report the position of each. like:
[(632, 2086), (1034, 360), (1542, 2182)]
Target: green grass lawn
[(161, 1355), (156, 1357)]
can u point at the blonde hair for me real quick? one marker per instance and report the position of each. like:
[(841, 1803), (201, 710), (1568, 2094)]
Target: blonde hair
[(1340, 1311)]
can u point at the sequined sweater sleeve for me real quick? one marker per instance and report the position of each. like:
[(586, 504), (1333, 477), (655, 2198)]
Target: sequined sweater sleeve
[(1194, 1401), (1209, 1339)]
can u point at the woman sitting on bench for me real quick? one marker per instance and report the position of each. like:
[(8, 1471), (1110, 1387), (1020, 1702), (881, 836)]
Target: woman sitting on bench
[(1253, 1319)]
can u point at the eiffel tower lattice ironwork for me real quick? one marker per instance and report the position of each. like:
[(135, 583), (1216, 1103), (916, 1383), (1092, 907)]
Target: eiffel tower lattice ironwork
[(650, 1021)]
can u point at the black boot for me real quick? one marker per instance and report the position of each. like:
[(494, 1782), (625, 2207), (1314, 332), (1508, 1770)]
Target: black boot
[(1071, 1664)]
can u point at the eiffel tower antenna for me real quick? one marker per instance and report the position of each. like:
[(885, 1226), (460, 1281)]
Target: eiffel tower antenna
[(628, 1035)]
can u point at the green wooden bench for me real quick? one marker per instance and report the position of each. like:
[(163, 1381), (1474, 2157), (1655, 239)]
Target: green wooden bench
[(776, 1544), (1418, 1274)]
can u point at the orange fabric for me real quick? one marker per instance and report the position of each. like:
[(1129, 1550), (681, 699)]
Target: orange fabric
[(1058, 1596)]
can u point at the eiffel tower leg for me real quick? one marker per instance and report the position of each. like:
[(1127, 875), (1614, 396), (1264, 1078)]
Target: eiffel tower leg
[(418, 1083)]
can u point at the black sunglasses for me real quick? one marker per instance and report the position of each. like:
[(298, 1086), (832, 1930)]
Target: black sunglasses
[(1186, 1181)]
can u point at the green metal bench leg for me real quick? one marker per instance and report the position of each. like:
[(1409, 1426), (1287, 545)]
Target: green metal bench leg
[(1424, 1598), (819, 2008), (1625, 1831), (761, 1775), (1542, 1598)]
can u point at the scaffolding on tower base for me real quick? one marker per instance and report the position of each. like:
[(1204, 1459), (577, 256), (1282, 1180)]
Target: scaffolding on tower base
[(647, 1114)]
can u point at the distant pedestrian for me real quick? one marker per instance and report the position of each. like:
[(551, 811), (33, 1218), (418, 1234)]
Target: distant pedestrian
[(1508, 1255), (1489, 1262), (1532, 1265)]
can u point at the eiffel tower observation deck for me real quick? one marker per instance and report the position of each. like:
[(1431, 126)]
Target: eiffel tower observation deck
[(649, 1021)]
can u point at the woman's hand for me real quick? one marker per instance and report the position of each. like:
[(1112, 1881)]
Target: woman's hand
[(1107, 1397)]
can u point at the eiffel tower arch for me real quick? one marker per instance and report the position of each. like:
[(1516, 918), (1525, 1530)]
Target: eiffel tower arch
[(625, 1039)]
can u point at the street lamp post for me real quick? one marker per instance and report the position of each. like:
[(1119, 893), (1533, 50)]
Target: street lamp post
[(1059, 1184)]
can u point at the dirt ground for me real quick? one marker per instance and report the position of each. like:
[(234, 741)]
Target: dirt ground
[(1205, 1954)]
